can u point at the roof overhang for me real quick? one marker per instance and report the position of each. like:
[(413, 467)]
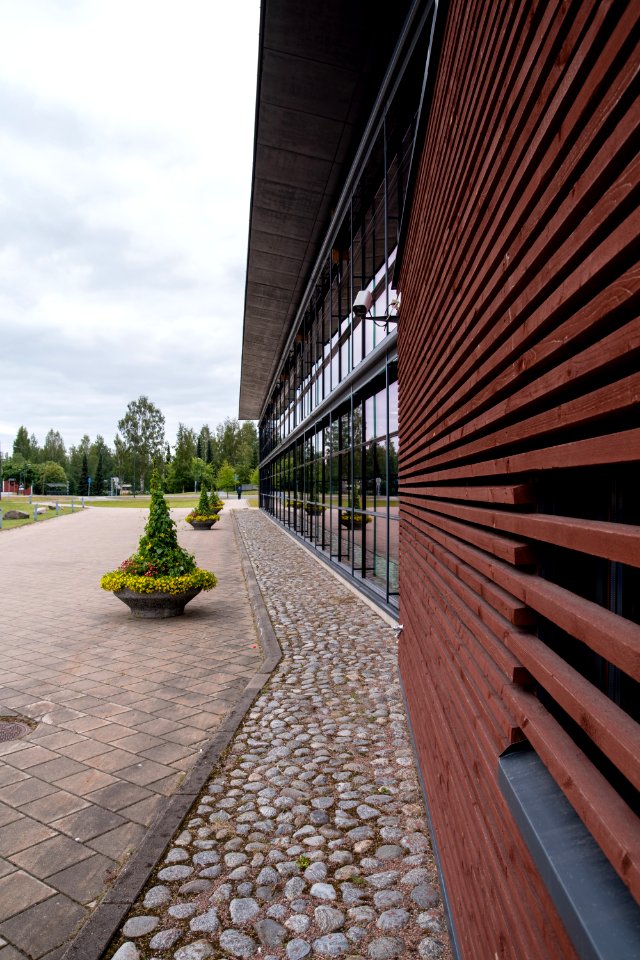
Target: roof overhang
[(319, 69)]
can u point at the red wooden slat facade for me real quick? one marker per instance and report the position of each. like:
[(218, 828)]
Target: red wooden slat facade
[(518, 349)]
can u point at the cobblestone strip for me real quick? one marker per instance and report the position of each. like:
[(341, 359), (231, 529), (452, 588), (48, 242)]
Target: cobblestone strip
[(310, 839)]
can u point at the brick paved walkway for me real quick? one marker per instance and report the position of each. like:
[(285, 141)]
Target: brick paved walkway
[(123, 709)]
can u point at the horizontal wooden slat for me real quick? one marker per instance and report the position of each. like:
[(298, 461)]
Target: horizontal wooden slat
[(513, 551), (508, 606), (622, 447), (615, 541), (612, 398), (511, 494), (613, 637), (488, 236), (471, 609)]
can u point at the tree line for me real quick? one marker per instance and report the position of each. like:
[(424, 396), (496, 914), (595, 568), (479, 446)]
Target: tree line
[(219, 457)]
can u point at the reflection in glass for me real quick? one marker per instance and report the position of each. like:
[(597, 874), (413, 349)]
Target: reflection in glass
[(337, 485)]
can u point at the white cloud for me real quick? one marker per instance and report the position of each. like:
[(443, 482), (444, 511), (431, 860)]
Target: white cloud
[(125, 161)]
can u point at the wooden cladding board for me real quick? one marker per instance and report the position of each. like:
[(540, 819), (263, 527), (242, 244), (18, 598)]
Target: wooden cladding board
[(519, 381)]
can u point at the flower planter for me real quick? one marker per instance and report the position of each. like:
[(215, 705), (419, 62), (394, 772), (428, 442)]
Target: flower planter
[(159, 580), (357, 522), (201, 524), (156, 606)]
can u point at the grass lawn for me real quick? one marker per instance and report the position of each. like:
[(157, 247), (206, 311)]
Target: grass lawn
[(175, 500), (142, 502), (22, 503)]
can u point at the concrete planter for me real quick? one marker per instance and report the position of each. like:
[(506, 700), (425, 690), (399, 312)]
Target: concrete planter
[(201, 524), (156, 606)]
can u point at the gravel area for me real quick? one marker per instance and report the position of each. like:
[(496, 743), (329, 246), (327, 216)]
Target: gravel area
[(310, 839)]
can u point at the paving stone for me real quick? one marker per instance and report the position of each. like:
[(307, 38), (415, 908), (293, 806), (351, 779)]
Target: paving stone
[(128, 951), (139, 926), (205, 857), (316, 872), (323, 891), (179, 911), (195, 886), (165, 939), (236, 943), (331, 945), (328, 919), (298, 949), (43, 927), (429, 949), (270, 932), (21, 834), (385, 948), (392, 920), (51, 856), (18, 891), (298, 923), (206, 923), (389, 851), (243, 910), (157, 896), (88, 823), (294, 887), (384, 899), (175, 873), (424, 896), (199, 950), (84, 881)]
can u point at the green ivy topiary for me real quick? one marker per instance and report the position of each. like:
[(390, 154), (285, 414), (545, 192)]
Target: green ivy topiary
[(159, 544), (207, 508), (160, 563)]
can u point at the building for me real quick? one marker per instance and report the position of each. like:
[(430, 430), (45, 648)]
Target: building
[(441, 347)]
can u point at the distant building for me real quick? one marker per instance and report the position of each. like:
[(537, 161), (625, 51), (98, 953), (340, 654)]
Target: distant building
[(16, 488), (441, 348)]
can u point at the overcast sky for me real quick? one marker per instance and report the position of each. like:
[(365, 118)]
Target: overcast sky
[(126, 138)]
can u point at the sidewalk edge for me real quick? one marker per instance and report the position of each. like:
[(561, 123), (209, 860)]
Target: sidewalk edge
[(102, 925)]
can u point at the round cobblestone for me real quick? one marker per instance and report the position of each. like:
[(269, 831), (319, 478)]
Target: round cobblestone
[(310, 837), (139, 926)]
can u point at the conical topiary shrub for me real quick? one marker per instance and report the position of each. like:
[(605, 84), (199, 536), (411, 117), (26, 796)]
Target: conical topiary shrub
[(160, 567), (205, 514)]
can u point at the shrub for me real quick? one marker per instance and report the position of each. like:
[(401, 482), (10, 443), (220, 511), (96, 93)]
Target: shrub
[(207, 508), (160, 563)]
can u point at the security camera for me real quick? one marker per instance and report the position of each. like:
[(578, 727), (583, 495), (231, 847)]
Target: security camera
[(362, 303)]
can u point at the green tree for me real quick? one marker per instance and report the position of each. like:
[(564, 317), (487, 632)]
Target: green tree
[(246, 451), (22, 444), (99, 451), (202, 473), (75, 464), (50, 472), (84, 476), (36, 452), (98, 477), (226, 477), (54, 450), (181, 475), (229, 440), (142, 430), (17, 468)]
